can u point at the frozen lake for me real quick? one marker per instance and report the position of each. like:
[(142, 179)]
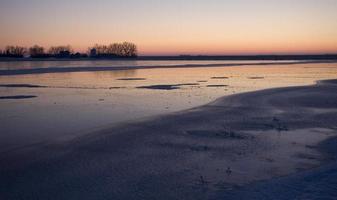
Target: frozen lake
[(57, 106)]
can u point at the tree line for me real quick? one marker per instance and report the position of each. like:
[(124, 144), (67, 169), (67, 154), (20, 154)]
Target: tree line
[(114, 50), (125, 49)]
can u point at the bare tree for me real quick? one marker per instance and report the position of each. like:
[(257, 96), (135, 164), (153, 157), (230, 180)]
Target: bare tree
[(114, 50), (101, 49), (15, 51), (129, 49), (125, 49), (57, 50), (36, 51)]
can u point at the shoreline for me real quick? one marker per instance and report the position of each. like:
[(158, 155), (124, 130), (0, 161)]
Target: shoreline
[(266, 57), (205, 152), (13, 72)]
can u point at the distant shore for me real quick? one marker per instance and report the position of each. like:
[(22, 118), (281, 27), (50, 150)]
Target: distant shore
[(193, 57), (237, 147)]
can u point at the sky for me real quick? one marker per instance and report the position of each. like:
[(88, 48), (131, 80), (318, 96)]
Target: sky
[(173, 27)]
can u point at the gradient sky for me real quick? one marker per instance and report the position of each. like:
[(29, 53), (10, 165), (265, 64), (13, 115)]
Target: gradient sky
[(175, 26)]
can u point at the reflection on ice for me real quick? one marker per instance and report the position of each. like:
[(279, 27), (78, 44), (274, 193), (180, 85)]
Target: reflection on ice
[(71, 104)]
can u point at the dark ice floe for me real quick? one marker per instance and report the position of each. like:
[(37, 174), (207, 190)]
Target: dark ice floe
[(256, 77), (17, 97), (220, 77), (167, 87), (21, 86), (131, 79), (215, 86)]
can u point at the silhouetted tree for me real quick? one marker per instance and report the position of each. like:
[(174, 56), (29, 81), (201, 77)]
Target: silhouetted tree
[(101, 49), (78, 55), (36, 51), (15, 51), (129, 49), (125, 49), (60, 50), (92, 52), (114, 50)]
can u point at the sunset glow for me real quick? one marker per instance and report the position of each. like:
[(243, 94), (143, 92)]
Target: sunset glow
[(173, 27)]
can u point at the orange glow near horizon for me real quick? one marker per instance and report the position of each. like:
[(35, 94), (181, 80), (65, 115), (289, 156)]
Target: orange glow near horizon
[(172, 28)]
